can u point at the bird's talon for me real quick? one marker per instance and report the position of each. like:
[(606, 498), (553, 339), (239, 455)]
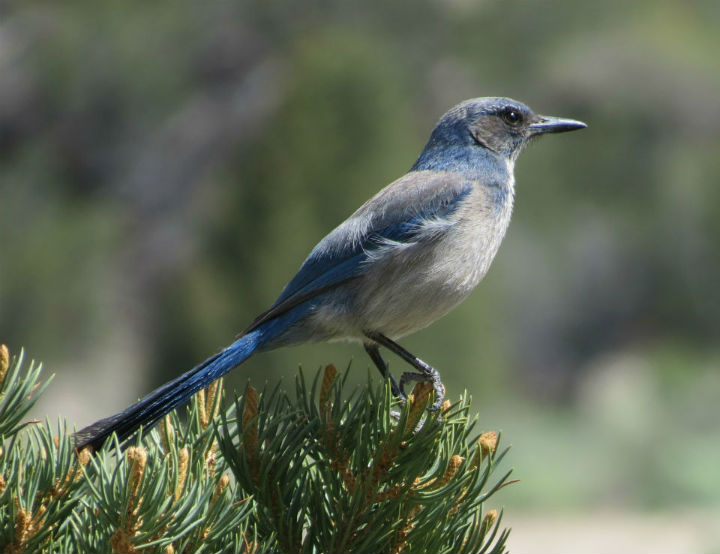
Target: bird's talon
[(437, 405)]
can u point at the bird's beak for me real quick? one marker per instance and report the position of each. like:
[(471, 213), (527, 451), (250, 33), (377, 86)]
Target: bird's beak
[(549, 124)]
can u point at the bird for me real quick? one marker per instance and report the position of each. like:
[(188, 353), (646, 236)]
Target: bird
[(404, 259)]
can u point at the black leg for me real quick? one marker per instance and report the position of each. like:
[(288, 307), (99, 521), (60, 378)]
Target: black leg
[(426, 371), (374, 352)]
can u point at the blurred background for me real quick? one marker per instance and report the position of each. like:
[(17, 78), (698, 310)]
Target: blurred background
[(165, 167)]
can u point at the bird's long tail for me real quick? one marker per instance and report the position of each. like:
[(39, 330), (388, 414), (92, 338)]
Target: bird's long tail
[(154, 406)]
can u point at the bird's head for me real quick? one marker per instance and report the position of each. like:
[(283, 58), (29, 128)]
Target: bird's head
[(501, 125)]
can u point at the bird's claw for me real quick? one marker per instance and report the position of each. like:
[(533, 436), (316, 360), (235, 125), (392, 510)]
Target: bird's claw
[(431, 376)]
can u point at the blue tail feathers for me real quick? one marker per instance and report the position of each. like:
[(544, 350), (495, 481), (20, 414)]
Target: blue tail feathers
[(149, 410)]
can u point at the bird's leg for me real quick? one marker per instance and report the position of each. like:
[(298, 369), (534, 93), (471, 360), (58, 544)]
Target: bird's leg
[(374, 352), (425, 371)]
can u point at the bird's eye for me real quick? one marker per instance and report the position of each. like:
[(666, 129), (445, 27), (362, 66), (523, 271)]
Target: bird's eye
[(511, 117)]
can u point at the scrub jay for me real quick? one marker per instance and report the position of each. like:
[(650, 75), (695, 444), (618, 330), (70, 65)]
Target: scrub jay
[(405, 258)]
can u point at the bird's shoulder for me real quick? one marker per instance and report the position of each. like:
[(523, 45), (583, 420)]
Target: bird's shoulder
[(409, 199), (394, 213)]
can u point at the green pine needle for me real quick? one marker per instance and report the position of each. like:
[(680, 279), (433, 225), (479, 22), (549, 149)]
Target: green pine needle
[(331, 469)]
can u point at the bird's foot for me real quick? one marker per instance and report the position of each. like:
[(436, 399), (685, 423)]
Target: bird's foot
[(430, 375), (425, 373)]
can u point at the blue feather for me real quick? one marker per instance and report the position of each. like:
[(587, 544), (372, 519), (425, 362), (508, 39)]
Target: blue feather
[(326, 267)]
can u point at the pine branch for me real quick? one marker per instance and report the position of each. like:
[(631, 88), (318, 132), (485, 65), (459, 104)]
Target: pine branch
[(331, 469)]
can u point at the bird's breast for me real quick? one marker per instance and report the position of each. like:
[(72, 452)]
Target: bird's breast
[(411, 285), (481, 225)]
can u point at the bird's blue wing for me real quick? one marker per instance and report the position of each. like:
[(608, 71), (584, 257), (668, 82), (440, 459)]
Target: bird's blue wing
[(397, 214)]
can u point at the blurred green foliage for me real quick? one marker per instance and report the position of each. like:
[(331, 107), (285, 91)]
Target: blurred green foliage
[(165, 168)]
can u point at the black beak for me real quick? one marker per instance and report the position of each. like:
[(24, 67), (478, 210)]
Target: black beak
[(549, 124)]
